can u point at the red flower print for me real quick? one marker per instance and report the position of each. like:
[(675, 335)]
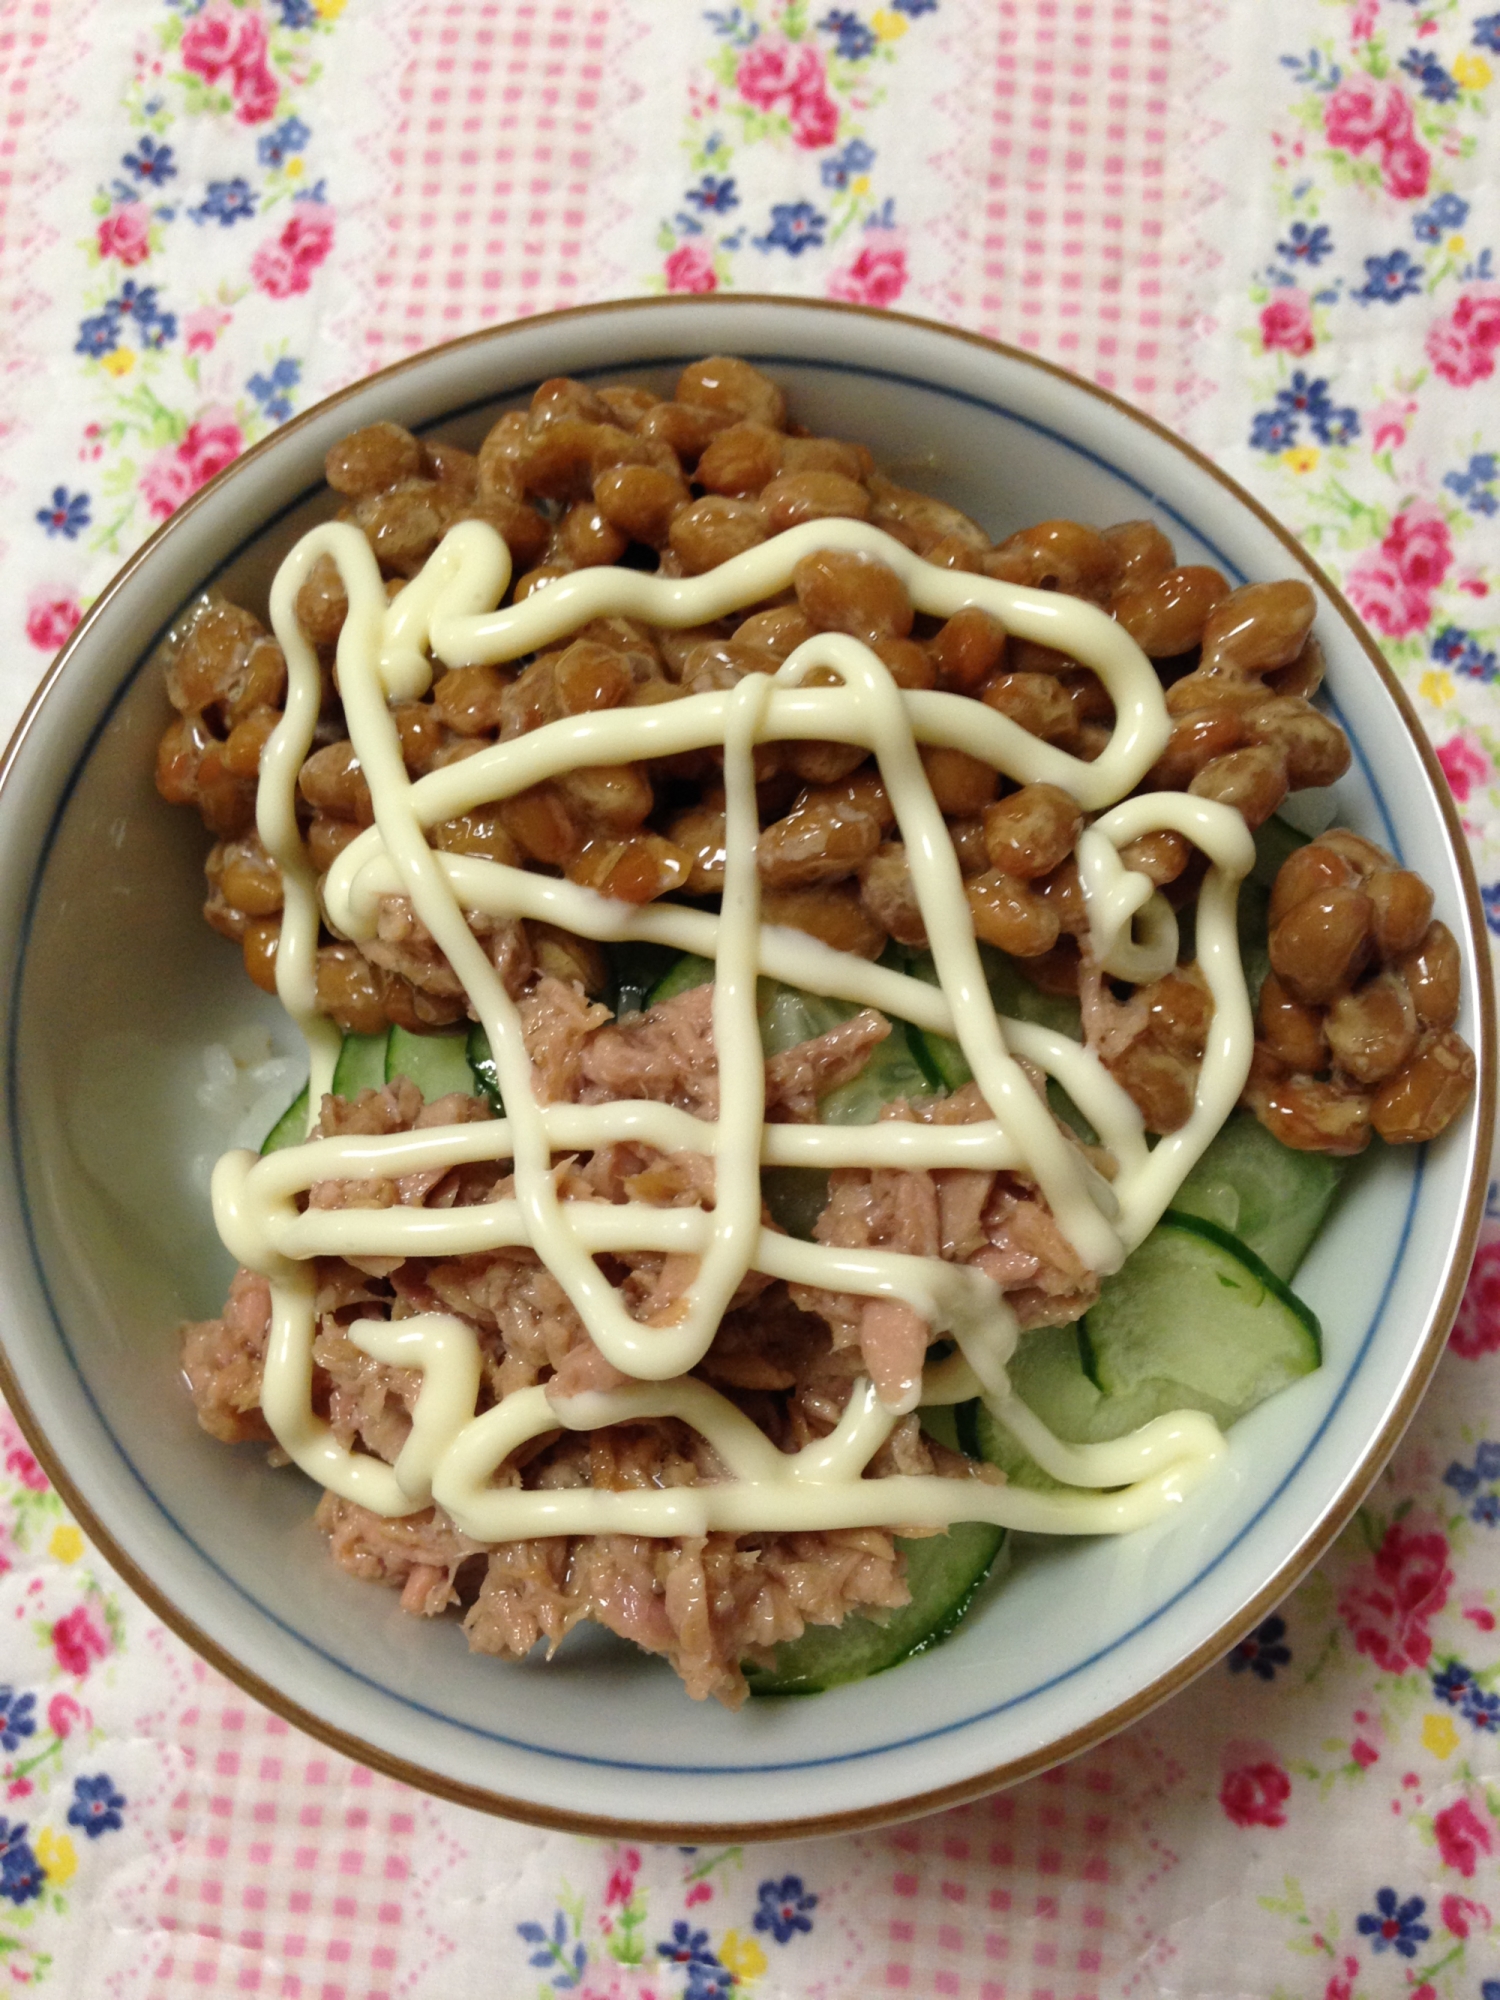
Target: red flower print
[(1476, 1331), (1461, 1915), (210, 41), (1463, 346), (64, 1714), (1254, 1794), (1341, 1986), (772, 70), (288, 264), (690, 268), (1366, 14), (256, 94), (1363, 113), (815, 119), (1462, 1836), (1286, 323), (1406, 169), (877, 277), (1383, 597), (19, 1462), (1387, 424), (1387, 1604), (78, 1640), (211, 444), (1364, 1754), (125, 234), (622, 1882), (1464, 766), (50, 617), (1419, 544)]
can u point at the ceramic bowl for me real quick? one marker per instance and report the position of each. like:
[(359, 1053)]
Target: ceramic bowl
[(106, 1242)]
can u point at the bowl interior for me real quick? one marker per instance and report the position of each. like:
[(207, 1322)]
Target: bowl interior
[(120, 989)]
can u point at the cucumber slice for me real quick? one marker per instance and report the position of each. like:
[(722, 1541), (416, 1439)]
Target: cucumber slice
[(681, 977), (943, 1572), (1195, 1310), (635, 971), (361, 1064), (796, 1197), (290, 1128), (891, 1072), (1012, 993), (1271, 1199), (436, 1064), (484, 1066)]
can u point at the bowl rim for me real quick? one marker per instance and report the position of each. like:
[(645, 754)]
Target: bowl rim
[(1320, 1533)]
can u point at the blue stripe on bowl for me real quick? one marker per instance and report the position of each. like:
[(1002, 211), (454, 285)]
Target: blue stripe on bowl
[(1157, 506)]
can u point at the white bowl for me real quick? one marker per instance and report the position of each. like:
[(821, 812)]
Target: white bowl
[(107, 1242)]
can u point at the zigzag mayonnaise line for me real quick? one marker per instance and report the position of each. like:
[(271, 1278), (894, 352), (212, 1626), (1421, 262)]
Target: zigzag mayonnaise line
[(452, 1454)]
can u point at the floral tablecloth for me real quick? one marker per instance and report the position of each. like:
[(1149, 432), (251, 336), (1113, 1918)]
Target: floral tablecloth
[(1274, 227)]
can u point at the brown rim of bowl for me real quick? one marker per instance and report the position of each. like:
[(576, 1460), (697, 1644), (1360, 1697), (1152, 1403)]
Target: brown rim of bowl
[(1318, 1537)]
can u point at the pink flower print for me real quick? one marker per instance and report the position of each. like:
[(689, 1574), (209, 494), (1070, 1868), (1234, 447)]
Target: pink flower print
[(202, 328), (51, 615), (1362, 113), (1419, 543), (690, 268), (877, 277), (126, 234), (1464, 765), (1462, 347), (1364, 1754), (701, 1892), (1406, 169), (772, 70), (1387, 424), (1362, 26), (1462, 1836), (1476, 1331), (815, 119), (78, 1640), (288, 264), (1383, 598), (1341, 1986), (19, 1461), (1286, 323), (622, 1882), (1462, 1915), (1389, 1602), (64, 1714), (1254, 1794), (179, 470), (210, 41)]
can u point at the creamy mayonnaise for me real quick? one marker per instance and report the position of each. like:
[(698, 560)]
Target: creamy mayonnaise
[(453, 1455)]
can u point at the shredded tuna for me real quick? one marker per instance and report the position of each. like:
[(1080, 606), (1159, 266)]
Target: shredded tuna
[(222, 1360)]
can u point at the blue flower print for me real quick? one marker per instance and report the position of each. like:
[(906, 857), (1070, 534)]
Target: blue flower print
[(68, 514), (98, 335), (138, 302), (1473, 483), (1390, 278), (1491, 1987), (297, 13), (713, 196), (1262, 1651), (276, 148), (709, 1982), (567, 1967), (20, 1875), (1395, 1928), (784, 1908), (840, 168), (1487, 36), (270, 390), (915, 8), (1306, 246), (1273, 430), (16, 1719), (795, 226), (1489, 895), (1340, 426), (96, 1806), (1449, 211), (1434, 80), (1481, 1709), (226, 203), (1487, 1460), (152, 162), (1462, 1478), (1454, 647), (1486, 1510), (1449, 1683), (854, 41), (687, 1947)]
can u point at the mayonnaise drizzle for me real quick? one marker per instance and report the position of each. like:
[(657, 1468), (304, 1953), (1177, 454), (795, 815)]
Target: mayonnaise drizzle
[(452, 1456)]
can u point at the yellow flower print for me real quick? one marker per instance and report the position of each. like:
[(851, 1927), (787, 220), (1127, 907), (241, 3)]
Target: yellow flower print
[(1301, 458), (1439, 1735), (890, 27), (120, 362), (66, 1543), (743, 1957), (1456, 246), (1472, 71), (295, 167), (55, 1852), (1436, 686), (330, 9)]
